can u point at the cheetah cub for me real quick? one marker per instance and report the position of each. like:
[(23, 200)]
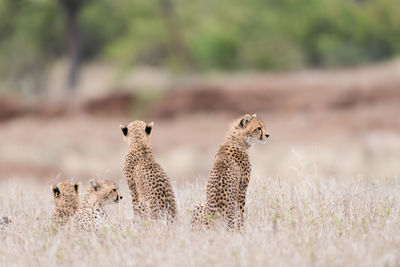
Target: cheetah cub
[(151, 190), (66, 201), (91, 215), (230, 175)]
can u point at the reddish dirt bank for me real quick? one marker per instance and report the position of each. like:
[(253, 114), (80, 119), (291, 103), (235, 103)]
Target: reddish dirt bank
[(308, 91), (313, 91)]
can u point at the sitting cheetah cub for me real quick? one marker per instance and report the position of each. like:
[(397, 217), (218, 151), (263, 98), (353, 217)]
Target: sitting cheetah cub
[(91, 214), (151, 190), (66, 201), (230, 175)]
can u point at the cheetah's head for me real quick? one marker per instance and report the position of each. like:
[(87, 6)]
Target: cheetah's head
[(107, 192), (251, 129), (137, 133), (65, 194)]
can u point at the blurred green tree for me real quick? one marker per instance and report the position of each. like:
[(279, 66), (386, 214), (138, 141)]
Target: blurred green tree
[(205, 35)]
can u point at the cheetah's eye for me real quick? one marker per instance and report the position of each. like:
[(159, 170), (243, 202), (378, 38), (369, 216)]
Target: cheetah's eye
[(259, 128)]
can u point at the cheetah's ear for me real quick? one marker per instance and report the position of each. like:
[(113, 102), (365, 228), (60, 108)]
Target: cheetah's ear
[(76, 187), (243, 122), (124, 129), (94, 184), (56, 191), (149, 127)]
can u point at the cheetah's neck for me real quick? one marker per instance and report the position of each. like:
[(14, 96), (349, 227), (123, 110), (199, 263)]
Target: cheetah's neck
[(67, 211), (91, 202), (234, 138), (140, 152), (67, 205)]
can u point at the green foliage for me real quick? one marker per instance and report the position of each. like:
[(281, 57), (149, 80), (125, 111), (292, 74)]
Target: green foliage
[(30, 36), (217, 35)]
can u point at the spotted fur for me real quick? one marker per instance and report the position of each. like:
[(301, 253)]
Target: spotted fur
[(91, 215), (229, 177), (66, 201), (151, 190)]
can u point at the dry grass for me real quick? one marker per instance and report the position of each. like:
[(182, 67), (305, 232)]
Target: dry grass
[(303, 221), (331, 200)]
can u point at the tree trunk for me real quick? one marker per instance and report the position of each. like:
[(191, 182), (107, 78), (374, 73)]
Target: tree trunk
[(71, 11), (176, 41)]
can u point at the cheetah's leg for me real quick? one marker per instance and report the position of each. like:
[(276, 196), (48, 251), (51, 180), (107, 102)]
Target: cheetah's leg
[(201, 218), (242, 202), (171, 206), (138, 208), (171, 212), (196, 217), (232, 217), (230, 210), (156, 209)]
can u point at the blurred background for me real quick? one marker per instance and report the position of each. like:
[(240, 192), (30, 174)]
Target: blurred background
[(324, 76)]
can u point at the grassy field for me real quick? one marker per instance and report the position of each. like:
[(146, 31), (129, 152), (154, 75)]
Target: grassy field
[(324, 191), (303, 221)]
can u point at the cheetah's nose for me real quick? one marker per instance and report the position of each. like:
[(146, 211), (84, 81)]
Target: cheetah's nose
[(267, 135)]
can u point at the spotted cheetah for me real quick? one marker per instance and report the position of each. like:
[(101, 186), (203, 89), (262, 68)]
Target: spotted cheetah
[(66, 201), (151, 190), (230, 175), (91, 214)]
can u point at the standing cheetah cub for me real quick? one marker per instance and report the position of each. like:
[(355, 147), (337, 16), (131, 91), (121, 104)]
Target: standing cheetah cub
[(66, 201), (91, 214), (230, 175), (151, 190)]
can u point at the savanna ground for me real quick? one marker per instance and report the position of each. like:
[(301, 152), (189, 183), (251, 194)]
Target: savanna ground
[(325, 189), (313, 221)]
